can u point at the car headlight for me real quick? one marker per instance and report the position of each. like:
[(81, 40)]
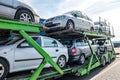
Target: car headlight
[(60, 17)]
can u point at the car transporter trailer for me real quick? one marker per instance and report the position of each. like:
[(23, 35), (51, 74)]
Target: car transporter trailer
[(93, 61)]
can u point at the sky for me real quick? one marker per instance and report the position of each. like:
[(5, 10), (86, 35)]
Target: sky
[(106, 9)]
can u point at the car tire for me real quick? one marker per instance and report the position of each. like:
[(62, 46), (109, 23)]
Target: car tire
[(69, 25), (100, 30), (24, 15), (3, 69), (82, 59), (91, 29), (103, 61), (61, 62), (105, 50)]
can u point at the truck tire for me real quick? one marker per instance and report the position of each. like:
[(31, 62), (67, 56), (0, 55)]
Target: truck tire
[(109, 59), (103, 61), (3, 69)]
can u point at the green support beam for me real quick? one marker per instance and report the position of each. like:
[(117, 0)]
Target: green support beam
[(113, 50), (14, 25), (22, 27), (45, 55), (95, 34), (91, 65)]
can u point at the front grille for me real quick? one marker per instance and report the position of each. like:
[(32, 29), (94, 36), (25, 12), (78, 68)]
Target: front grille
[(49, 19)]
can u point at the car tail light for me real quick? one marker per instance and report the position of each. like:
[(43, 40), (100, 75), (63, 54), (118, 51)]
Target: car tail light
[(73, 50)]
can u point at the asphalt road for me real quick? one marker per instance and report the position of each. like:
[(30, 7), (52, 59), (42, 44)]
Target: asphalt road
[(109, 72)]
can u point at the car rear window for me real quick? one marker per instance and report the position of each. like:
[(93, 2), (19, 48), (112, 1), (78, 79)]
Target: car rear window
[(67, 43)]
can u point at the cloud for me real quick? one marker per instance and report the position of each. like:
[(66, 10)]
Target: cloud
[(102, 6)]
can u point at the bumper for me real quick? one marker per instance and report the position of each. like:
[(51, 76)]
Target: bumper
[(55, 24), (74, 58)]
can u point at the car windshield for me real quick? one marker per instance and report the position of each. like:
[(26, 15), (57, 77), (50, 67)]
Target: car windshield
[(78, 13), (11, 41)]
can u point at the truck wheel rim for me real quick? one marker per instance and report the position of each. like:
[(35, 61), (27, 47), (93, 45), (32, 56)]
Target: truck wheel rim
[(1, 70), (103, 62), (25, 17), (61, 62)]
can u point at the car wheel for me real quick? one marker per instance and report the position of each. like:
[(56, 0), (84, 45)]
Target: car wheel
[(91, 29), (3, 69), (100, 30), (105, 50), (61, 61), (24, 15), (70, 25), (82, 59), (103, 61)]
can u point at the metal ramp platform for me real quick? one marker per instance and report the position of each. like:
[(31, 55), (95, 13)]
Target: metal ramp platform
[(76, 34)]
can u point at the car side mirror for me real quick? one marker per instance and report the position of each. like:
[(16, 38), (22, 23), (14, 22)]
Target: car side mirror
[(24, 45)]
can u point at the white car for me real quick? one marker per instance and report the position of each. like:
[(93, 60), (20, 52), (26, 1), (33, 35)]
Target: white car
[(17, 55), (70, 20), (18, 10)]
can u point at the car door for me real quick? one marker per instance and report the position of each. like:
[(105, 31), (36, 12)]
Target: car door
[(85, 22), (51, 47), (6, 8), (82, 46), (78, 20), (87, 48), (26, 57)]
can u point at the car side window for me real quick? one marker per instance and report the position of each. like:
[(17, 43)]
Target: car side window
[(85, 43), (81, 42), (77, 14), (49, 42), (83, 16), (25, 44)]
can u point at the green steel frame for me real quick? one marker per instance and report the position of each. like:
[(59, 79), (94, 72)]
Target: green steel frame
[(91, 65), (23, 27)]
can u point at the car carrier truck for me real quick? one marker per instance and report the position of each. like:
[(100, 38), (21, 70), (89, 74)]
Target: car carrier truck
[(93, 61)]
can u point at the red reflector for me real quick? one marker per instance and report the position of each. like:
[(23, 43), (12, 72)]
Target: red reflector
[(73, 50)]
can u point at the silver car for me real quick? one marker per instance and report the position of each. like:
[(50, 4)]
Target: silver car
[(18, 10), (102, 27), (17, 55), (78, 49), (104, 45), (70, 20)]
